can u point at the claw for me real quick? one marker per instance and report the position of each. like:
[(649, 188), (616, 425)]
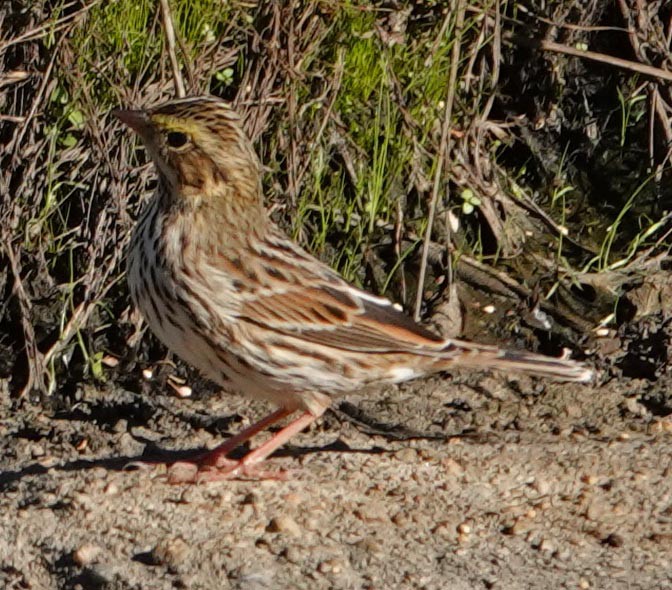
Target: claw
[(185, 472)]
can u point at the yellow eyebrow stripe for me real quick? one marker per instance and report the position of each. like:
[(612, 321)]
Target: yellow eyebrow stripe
[(176, 124)]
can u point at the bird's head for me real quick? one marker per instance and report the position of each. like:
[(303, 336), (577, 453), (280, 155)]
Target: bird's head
[(200, 151)]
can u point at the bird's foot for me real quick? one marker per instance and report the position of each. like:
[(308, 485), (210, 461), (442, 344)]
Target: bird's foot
[(215, 465), (222, 469)]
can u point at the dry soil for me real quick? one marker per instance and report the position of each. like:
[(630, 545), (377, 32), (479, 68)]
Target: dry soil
[(475, 481)]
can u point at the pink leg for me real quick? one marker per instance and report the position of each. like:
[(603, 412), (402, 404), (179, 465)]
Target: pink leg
[(277, 440), (215, 465), (214, 457)]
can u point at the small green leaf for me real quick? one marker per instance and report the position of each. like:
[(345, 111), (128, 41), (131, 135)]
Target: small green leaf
[(76, 118), (69, 141), (96, 364), (225, 76)]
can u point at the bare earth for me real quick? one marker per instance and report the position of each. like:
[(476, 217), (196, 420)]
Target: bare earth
[(506, 484)]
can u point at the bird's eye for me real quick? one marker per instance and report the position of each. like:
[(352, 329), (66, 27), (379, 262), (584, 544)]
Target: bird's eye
[(177, 139)]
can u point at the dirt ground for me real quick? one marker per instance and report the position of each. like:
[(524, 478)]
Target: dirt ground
[(474, 481)]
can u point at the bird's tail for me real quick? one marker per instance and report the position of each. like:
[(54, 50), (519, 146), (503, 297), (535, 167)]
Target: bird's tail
[(460, 353)]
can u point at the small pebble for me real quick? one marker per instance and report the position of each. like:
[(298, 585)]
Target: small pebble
[(370, 546), (294, 555), (331, 566), (407, 455), (171, 552), (120, 426), (110, 361), (48, 461), (452, 467), (589, 479), (86, 554), (284, 524), (111, 489), (182, 391), (521, 526)]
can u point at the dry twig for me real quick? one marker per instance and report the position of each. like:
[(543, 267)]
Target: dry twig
[(170, 41), (446, 139), (633, 66)]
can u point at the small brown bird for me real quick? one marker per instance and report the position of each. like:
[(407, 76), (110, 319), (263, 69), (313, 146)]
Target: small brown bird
[(223, 287)]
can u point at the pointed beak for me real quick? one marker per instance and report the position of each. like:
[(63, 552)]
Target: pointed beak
[(136, 120)]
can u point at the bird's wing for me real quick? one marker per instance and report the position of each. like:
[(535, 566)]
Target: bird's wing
[(297, 295), (275, 285)]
